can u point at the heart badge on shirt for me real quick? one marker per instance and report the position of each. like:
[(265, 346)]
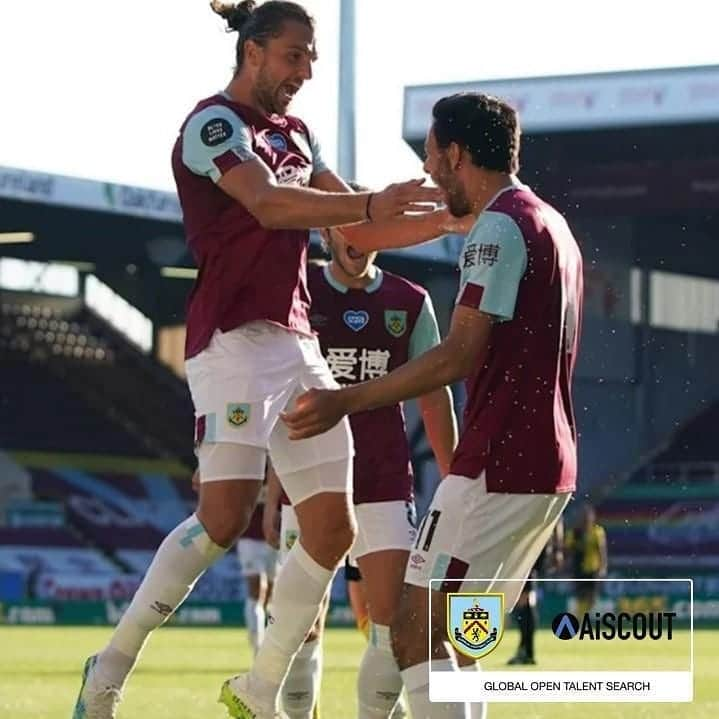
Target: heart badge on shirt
[(356, 320)]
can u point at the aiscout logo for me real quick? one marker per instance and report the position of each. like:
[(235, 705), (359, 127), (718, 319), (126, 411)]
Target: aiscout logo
[(607, 625)]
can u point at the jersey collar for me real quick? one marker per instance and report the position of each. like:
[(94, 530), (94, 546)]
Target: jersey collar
[(515, 185), (333, 282)]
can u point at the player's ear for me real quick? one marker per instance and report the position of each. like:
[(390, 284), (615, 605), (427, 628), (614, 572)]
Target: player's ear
[(253, 53), (454, 155)]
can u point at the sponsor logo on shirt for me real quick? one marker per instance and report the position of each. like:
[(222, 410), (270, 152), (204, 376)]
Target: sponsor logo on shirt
[(238, 414), (215, 132), (346, 364), (356, 320), (395, 322), (292, 174), (277, 142), (482, 254)]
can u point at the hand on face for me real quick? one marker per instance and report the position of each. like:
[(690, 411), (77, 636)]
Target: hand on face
[(403, 197)]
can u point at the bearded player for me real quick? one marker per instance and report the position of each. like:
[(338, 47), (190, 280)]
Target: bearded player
[(514, 337), (251, 182)]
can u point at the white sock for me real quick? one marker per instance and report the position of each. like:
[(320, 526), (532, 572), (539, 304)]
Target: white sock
[(477, 710), (296, 598), (378, 682), (416, 680), (180, 561), (301, 689), (255, 622)]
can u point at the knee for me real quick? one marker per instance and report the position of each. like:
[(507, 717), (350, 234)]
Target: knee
[(226, 525), (331, 535), (341, 532)]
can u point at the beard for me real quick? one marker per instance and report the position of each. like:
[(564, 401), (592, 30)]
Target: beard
[(457, 202), (266, 94)]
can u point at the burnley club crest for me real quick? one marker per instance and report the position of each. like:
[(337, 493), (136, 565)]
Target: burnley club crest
[(395, 322), (475, 623)]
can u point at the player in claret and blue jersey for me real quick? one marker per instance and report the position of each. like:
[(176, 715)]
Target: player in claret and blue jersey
[(514, 337), (251, 181), (370, 322)]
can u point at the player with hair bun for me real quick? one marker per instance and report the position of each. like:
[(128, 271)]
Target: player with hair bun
[(251, 181)]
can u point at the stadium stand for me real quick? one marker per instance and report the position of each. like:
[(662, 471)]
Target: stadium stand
[(666, 515), (100, 393)]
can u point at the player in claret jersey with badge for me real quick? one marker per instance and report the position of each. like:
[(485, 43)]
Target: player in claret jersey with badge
[(514, 337), (370, 322), (251, 181)]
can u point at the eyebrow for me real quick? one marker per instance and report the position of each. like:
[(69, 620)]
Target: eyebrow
[(303, 48)]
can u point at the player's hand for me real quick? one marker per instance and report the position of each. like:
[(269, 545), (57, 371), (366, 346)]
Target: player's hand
[(457, 225), (271, 525), (315, 412), (196, 481), (402, 197)]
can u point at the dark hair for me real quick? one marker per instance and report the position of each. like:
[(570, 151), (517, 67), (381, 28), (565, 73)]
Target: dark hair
[(259, 22), (485, 126)]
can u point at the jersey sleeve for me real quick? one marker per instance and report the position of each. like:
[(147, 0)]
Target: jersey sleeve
[(318, 164), (214, 141), (425, 334), (492, 265)]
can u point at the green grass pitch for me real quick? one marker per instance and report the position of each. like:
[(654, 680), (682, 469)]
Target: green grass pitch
[(182, 670)]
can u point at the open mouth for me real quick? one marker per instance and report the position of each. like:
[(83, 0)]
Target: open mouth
[(287, 92), (354, 254)]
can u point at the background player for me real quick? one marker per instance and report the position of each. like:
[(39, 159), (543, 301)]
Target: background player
[(251, 181), (258, 561), (587, 556), (514, 335), (369, 322)]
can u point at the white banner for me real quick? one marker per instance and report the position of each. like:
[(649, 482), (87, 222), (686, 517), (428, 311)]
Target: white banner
[(76, 192), (511, 686), (649, 97)]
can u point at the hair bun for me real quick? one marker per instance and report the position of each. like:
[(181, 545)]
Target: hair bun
[(235, 15)]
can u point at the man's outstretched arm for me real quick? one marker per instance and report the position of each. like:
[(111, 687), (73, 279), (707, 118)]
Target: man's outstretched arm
[(397, 232), (451, 360)]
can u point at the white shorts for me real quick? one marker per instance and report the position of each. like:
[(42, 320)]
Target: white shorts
[(380, 526), (256, 557), (474, 534), (240, 383)]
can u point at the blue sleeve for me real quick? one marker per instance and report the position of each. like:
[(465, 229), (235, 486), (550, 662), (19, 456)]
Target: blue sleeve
[(215, 140), (318, 163), (425, 334), (492, 265)]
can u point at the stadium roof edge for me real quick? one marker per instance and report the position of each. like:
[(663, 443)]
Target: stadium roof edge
[(95, 195), (78, 193), (585, 101)]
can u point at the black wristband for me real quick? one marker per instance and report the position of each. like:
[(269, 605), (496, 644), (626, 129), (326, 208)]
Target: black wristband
[(368, 216)]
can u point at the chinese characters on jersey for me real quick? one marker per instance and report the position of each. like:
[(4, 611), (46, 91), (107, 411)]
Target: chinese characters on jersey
[(349, 364)]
